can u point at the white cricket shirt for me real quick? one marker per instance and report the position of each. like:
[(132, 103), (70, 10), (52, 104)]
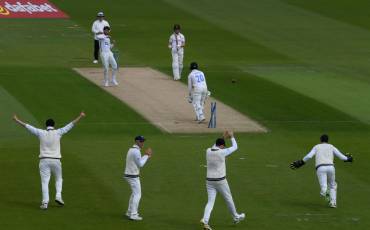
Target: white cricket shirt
[(324, 154), (177, 41), (50, 140), (98, 27), (105, 44), (196, 81), (216, 166), (134, 161)]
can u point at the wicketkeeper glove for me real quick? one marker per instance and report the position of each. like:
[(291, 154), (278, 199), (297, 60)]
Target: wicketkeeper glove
[(296, 164), (349, 158)]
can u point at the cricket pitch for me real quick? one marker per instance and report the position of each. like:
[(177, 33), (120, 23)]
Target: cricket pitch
[(163, 102)]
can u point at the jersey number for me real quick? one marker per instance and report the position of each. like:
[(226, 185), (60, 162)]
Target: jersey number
[(200, 78)]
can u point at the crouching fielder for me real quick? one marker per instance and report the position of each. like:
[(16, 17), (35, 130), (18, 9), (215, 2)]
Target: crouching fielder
[(324, 156), (134, 161), (50, 156), (198, 91), (216, 178), (107, 57)]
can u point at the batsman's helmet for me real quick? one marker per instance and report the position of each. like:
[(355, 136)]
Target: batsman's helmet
[(193, 65), (176, 27)]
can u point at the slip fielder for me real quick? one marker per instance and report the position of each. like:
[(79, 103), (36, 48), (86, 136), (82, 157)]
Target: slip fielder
[(50, 156), (107, 56), (198, 91), (324, 156), (176, 44), (216, 178), (134, 161)]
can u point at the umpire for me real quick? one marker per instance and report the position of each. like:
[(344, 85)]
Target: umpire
[(97, 28)]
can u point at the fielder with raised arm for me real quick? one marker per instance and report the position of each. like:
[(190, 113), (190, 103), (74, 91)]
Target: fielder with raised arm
[(198, 91), (216, 178), (324, 157), (134, 161), (176, 44), (50, 156), (97, 29), (107, 56)]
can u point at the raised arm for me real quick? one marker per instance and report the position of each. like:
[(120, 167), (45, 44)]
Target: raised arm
[(30, 128), (234, 145), (299, 163), (70, 125), (16, 119)]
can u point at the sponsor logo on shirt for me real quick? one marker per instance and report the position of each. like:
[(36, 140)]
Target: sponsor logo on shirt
[(29, 9)]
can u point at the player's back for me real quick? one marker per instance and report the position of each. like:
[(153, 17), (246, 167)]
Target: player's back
[(324, 154), (198, 80), (50, 143), (216, 167)]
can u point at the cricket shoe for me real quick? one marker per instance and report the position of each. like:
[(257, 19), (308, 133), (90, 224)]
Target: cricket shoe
[(59, 201), (106, 84), (204, 225), (332, 205), (44, 206), (201, 121), (135, 217), (115, 82), (95, 61), (127, 214), (238, 218)]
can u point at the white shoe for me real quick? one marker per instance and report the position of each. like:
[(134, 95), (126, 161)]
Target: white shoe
[(106, 84), (135, 217), (332, 205), (95, 61), (204, 225), (238, 218), (201, 120), (115, 82), (59, 201), (44, 206), (128, 214)]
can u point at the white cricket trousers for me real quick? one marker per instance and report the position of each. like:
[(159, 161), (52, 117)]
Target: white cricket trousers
[(47, 168), (222, 187), (177, 62), (326, 176), (108, 59), (199, 98), (133, 204)]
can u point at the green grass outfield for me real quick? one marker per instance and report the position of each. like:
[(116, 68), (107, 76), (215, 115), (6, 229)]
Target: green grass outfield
[(301, 69)]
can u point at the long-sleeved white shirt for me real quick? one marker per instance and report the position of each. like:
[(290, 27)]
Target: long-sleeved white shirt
[(134, 161), (98, 27), (216, 165), (177, 42), (105, 44), (324, 154), (50, 140), (196, 81)]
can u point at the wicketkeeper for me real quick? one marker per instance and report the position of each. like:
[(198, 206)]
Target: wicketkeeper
[(324, 157)]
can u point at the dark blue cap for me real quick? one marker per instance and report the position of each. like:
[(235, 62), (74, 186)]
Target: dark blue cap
[(140, 138)]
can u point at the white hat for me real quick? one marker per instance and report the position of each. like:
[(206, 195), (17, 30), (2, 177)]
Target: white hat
[(100, 14)]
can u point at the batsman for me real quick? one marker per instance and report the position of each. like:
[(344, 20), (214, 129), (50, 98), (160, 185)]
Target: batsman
[(324, 157), (198, 91)]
